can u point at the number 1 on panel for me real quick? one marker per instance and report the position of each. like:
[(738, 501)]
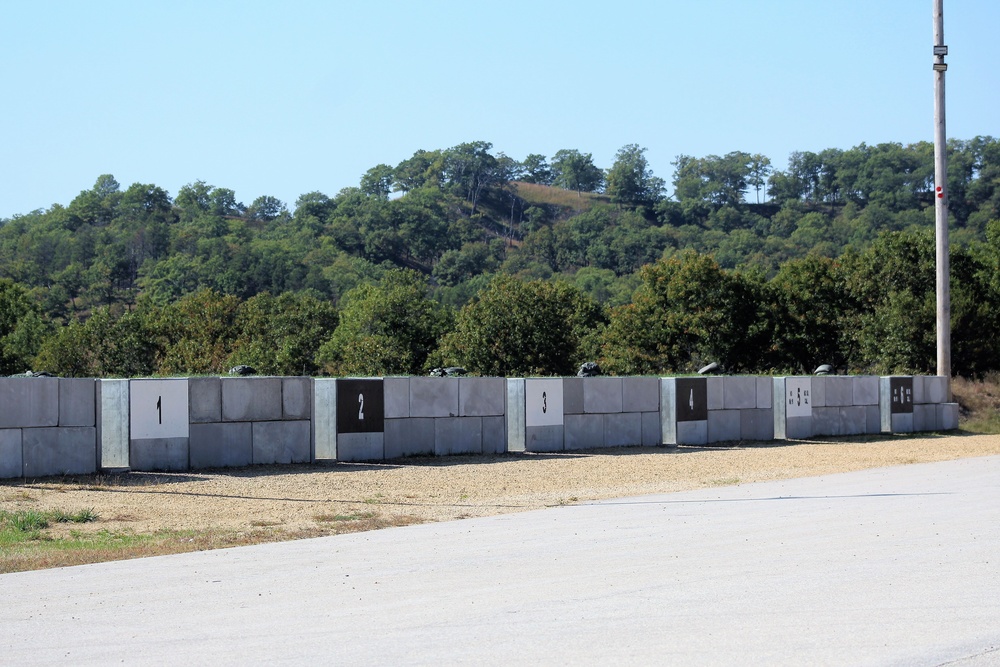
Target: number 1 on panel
[(159, 408)]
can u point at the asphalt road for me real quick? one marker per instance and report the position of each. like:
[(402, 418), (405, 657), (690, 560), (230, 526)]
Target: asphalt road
[(896, 566)]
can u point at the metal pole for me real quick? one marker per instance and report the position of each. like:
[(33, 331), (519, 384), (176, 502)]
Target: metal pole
[(941, 201)]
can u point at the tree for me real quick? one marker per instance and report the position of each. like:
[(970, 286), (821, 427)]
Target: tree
[(630, 181), (688, 312), (574, 170), (385, 329), (760, 170), (103, 346), (22, 328), (523, 328), (377, 181), (536, 170)]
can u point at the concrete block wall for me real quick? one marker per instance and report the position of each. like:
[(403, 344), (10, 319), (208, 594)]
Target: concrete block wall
[(238, 421), (48, 426), (704, 410), (826, 405), (912, 404)]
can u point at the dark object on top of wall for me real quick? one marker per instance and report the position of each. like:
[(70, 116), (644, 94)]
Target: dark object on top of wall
[(825, 369), (243, 370), (451, 371), (588, 369), (34, 374)]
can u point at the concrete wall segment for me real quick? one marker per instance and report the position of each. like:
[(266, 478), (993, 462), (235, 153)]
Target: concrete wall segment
[(296, 398), (159, 454), (221, 445), (481, 397), (59, 451), (640, 394), (739, 392), (29, 402), (251, 399), (458, 435), (77, 402), (623, 429), (281, 442), (397, 397), (205, 399), (602, 395), (413, 436), (11, 461), (433, 397)]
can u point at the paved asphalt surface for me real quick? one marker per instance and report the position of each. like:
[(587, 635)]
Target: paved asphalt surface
[(896, 566)]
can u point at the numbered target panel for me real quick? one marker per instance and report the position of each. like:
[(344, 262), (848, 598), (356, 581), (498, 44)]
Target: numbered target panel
[(901, 395), (543, 402), (692, 399), (158, 409), (798, 397), (360, 406)]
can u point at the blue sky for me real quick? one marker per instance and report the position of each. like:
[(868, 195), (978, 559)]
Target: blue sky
[(284, 98)]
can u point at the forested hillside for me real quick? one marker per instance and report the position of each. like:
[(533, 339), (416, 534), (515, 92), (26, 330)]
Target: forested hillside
[(467, 256)]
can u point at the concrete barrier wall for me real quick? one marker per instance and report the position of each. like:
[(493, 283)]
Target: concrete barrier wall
[(705, 410), (52, 426), (48, 426)]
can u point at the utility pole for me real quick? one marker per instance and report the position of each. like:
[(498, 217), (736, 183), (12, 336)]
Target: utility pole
[(941, 201)]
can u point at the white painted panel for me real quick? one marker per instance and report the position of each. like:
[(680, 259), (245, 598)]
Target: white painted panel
[(798, 397), (159, 408), (543, 402)]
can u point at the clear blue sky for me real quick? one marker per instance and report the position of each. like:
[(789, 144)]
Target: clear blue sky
[(284, 98)]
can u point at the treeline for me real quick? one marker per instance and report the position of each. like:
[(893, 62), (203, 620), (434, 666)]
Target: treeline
[(473, 224)]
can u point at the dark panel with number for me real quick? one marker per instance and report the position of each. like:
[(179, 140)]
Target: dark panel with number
[(901, 395), (360, 406), (692, 399)]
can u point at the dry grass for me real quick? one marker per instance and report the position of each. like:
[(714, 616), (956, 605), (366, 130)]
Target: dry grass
[(568, 201), (979, 403)]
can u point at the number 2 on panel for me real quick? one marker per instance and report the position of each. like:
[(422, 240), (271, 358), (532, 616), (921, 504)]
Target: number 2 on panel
[(361, 407)]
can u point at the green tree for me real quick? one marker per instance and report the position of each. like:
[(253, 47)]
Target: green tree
[(385, 329), (523, 328), (103, 346), (574, 170), (22, 328), (630, 181)]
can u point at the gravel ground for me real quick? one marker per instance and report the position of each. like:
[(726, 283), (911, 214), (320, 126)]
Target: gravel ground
[(302, 500)]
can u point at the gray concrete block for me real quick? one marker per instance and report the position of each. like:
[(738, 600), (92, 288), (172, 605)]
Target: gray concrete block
[(757, 424), (716, 393), (779, 407), (77, 402), (113, 410), (935, 389), (902, 422), (11, 462), (692, 433), (544, 438), (651, 435), (765, 392), (205, 400), (494, 435), (640, 394), (854, 419), (397, 397), (516, 415), (59, 451), (458, 435), (818, 391), (251, 399), (602, 395), (827, 421), (221, 445), (281, 442), (623, 429), (799, 428), (873, 419), (947, 416), (296, 398), (739, 393), (361, 447), (572, 396), (925, 418), (839, 391), (583, 432), (324, 421), (668, 411), (29, 402), (919, 395), (481, 397), (433, 397), (864, 390), (723, 425), (159, 454), (409, 437)]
